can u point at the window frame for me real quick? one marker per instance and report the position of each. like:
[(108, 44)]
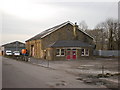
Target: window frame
[(60, 52), (84, 53), (87, 50)]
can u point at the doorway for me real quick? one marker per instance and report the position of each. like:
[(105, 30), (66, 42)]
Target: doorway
[(71, 54), (32, 50)]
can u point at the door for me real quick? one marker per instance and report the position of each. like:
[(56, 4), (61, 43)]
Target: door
[(74, 55), (32, 50), (68, 54), (71, 54)]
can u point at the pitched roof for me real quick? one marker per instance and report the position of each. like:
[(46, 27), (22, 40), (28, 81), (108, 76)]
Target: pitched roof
[(13, 43), (50, 30), (70, 43)]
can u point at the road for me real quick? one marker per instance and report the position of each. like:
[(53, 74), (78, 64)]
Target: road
[(0, 72), (19, 74)]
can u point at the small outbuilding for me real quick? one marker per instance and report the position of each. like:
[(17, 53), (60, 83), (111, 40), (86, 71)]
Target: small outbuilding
[(64, 41)]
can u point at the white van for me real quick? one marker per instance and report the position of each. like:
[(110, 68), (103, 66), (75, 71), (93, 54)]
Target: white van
[(8, 52), (16, 53)]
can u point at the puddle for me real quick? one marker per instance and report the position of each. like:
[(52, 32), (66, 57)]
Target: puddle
[(86, 65), (60, 84), (79, 78)]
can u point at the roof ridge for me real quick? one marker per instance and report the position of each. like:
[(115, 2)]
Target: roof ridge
[(12, 42), (49, 30)]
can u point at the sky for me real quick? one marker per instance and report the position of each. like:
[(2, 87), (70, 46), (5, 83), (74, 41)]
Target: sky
[(23, 19)]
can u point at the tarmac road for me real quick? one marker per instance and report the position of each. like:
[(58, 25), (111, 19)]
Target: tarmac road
[(16, 75), (19, 74), (0, 72)]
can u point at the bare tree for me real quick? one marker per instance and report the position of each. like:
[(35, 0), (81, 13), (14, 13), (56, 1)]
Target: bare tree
[(110, 28), (106, 34), (118, 35), (95, 33), (102, 35), (83, 26)]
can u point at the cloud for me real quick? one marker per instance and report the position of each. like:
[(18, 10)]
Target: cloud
[(14, 37), (25, 18)]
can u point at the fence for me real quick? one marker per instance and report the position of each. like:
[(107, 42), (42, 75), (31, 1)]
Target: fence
[(107, 53)]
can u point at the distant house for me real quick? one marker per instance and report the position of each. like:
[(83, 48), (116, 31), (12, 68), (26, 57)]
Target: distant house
[(13, 46), (64, 41)]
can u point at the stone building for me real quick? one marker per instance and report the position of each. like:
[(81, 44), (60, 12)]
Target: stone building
[(64, 41)]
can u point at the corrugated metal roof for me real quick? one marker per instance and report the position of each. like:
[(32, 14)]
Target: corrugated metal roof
[(70, 43), (12, 43)]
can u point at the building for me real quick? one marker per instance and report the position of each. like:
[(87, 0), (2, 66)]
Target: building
[(64, 41), (13, 46), (1, 50)]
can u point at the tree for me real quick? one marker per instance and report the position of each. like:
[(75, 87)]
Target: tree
[(107, 34), (99, 38), (111, 29), (102, 34), (83, 26)]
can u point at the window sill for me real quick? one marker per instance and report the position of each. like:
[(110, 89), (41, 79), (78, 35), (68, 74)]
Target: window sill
[(84, 55), (60, 55)]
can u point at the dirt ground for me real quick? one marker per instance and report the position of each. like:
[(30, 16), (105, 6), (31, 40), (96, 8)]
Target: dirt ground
[(100, 71), (96, 71), (110, 65)]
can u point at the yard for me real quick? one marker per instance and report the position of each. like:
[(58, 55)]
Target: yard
[(97, 71), (100, 71)]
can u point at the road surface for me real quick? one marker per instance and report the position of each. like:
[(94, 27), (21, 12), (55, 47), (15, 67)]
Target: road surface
[(19, 74), (0, 72)]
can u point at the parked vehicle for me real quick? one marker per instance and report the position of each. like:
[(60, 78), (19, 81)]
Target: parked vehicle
[(16, 53), (24, 52), (8, 52)]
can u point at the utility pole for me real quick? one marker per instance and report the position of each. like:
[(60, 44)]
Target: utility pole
[(102, 70)]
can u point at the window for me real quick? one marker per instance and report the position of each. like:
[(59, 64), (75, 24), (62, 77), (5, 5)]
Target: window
[(21, 45), (14, 45), (84, 52), (87, 52), (73, 49), (60, 52), (57, 52)]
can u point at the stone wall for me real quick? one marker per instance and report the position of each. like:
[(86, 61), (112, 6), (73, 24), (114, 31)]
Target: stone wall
[(41, 46)]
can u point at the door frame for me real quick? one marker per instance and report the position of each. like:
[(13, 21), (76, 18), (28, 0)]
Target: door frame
[(70, 56)]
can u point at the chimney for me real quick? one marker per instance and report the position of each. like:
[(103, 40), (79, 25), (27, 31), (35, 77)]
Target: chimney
[(75, 27)]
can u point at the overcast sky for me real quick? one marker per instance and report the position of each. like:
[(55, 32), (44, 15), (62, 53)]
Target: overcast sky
[(22, 19)]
